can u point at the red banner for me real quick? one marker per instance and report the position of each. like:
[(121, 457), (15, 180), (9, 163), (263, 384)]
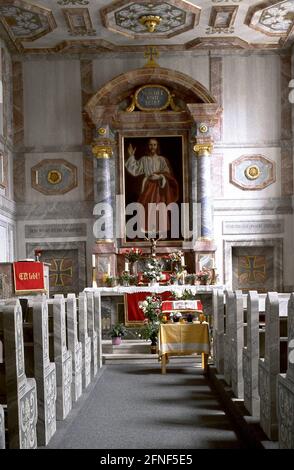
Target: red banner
[(133, 313), (28, 277)]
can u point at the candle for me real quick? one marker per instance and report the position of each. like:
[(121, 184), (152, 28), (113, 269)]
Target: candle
[(93, 261), (126, 266), (108, 268), (183, 260)]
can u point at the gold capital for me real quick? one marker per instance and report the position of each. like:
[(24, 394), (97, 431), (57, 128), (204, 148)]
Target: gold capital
[(203, 150), (102, 151)]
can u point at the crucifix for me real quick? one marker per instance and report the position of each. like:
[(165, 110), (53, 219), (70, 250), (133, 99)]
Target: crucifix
[(150, 53), (153, 242)]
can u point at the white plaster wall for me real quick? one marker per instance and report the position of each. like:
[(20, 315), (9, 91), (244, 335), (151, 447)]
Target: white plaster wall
[(106, 68), (52, 102), (76, 194), (7, 239), (252, 99)]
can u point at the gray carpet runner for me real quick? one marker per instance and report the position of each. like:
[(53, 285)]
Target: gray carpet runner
[(136, 407)]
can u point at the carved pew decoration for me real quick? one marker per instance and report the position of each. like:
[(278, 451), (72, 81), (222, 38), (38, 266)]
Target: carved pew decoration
[(251, 356), (269, 368), (92, 333), (286, 389), (45, 374), (2, 428), (98, 327), (237, 345), (62, 358), (85, 340), (228, 337), (21, 392), (218, 329), (74, 346)]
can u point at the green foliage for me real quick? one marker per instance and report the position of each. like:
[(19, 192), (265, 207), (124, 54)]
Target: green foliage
[(118, 329)]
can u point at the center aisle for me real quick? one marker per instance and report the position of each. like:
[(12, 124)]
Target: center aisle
[(135, 407)]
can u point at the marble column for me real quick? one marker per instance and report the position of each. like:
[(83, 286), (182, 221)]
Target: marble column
[(204, 193), (102, 149)]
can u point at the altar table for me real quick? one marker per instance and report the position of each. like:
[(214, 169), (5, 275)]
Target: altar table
[(181, 339)]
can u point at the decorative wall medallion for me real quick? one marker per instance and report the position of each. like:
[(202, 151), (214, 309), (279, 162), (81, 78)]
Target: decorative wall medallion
[(252, 172), (271, 17), (161, 19), (79, 21), (223, 16), (54, 177), (101, 131), (203, 128), (25, 22), (251, 269), (152, 98)]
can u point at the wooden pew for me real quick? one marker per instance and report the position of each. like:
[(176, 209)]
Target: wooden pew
[(62, 359), (20, 392), (270, 365), (85, 340), (2, 428), (45, 373), (285, 389), (92, 333), (75, 346), (218, 329)]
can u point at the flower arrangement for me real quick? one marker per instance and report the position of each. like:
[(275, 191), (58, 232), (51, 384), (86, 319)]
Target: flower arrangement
[(134, 254), (153, 269), (204, 275), (176, 256), (151, 308), (186, 294), (38, 254), (125, 278)]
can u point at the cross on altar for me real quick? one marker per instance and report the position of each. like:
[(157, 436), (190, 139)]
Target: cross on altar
[(150, 53)]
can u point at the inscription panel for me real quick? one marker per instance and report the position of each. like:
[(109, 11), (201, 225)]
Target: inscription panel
[(247, 227)]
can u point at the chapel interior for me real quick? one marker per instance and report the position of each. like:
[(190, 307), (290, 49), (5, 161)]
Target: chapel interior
[(108, 110)]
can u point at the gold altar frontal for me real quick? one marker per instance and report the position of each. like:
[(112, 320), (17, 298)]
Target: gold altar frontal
[(182, 339)]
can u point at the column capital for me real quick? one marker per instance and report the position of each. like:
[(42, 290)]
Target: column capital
[(203, 150), (102, 150)]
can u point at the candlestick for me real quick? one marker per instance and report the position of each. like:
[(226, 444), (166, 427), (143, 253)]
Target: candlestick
[(126, 266), (93, 261)]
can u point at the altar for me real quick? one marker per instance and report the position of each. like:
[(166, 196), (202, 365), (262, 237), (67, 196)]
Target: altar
[(114, 302)]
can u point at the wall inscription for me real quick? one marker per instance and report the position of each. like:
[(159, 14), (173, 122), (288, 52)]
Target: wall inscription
[(56, 230), (248, 227)]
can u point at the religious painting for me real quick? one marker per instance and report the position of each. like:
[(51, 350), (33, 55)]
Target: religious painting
[(153, 179)]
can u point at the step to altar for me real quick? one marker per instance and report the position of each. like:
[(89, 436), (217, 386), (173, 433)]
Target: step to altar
[(127, 346)]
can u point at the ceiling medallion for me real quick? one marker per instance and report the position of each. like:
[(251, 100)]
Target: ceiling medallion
[(150, 22)]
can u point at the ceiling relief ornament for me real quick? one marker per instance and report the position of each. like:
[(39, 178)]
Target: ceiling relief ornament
[(271, 17), (161, 19), (73, 2), (25, 22), (52, 177), (252, 172), (78, 21), (221, 42), (222, 19)]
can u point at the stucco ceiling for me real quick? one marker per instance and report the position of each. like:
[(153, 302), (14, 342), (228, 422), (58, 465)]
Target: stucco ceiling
[(85, 26)]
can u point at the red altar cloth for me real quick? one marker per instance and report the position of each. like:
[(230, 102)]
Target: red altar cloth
[(28, 277), (133, 313)]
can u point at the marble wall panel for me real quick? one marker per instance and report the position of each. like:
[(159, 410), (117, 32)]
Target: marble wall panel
[(52, 102), (252, 99), (18, 117), (68, 264), (2, 428)]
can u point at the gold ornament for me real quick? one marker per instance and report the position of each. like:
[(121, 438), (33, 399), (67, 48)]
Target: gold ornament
[(203, 128), (54, 177), (252, 172), (150, 22)]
